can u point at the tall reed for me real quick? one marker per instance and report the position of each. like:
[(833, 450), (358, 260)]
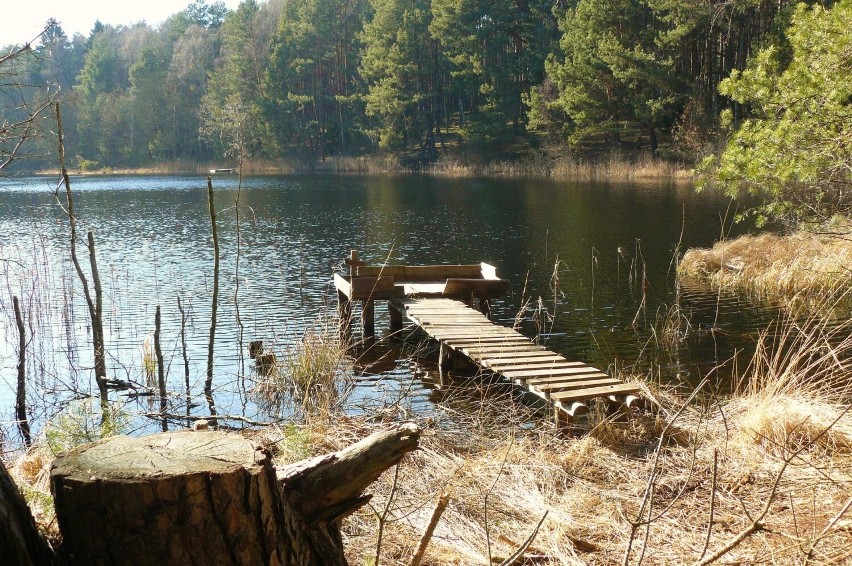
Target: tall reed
[(313, 377)]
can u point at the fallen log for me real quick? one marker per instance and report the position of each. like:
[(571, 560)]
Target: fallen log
[(212, 498)]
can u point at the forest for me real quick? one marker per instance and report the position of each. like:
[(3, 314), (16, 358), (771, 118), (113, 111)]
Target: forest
[(306, 80)]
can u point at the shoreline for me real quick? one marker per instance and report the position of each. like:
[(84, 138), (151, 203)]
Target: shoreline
[(613, 168)]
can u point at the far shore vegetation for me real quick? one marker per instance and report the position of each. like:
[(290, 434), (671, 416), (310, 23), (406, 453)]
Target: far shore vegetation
[(539, 164)]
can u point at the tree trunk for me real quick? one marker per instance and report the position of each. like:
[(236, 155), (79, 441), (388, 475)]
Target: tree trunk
[(212, 498), (20, 542)]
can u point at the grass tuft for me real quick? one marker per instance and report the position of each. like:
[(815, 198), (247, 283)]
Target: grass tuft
[(803, 268), (313, 378)]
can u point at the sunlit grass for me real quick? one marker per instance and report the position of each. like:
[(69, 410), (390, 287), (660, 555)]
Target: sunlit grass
[(312, 378), (802, 268)]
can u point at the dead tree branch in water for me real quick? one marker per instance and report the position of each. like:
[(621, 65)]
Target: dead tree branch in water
[(214, 305), (95, 305)]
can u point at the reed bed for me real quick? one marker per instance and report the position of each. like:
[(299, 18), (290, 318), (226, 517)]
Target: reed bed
[(311, 379), (544, 165), (802, 267)]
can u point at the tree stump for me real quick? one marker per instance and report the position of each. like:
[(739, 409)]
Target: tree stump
[(212, 498), (170, 498)]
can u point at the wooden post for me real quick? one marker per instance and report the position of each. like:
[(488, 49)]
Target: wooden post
[(354, 263), (562, 420), (344, 312), (368, 318), (445, 357), (395, 316), (564, 417), (485, 308)]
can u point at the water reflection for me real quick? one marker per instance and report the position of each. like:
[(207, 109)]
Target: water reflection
[(593, 261)]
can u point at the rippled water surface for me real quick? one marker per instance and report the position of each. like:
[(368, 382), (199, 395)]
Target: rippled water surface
[(593, 262)]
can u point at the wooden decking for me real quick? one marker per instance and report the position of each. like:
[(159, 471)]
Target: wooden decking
[(464, 331)]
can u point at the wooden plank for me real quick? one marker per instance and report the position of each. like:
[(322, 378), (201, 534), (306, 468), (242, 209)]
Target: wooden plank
[(567, 396), (521, 363), (438, 309), (575, 385), (479, 353), (445, 312), (483, 288), (379, 270), (542, 367), (503, 355), (342, 284), (441, 272), (471, 334), (488, 340), (538, 373), (563, 378), (468, 332)]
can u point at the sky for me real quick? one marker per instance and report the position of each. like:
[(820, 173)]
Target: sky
[(22, 20)]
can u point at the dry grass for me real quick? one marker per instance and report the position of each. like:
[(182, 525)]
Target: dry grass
[(311, 379), (657, 484), (593, 487), (543, 165), (796, 268)]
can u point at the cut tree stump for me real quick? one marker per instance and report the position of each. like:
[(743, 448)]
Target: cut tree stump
[(212, 498)]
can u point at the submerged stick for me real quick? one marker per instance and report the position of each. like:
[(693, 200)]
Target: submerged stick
[(214, 304), (161, 374), (21, 397), (185, 357)]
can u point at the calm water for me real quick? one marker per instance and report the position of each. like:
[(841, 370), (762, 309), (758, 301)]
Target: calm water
[(154, 245)]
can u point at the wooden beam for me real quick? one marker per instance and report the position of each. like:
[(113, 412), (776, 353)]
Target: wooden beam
[(583, 394)]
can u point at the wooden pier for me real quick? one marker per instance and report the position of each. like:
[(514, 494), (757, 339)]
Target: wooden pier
[(462, 331), (450, 303)]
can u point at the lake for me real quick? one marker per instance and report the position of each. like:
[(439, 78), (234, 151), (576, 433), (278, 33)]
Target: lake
[(594, 259)]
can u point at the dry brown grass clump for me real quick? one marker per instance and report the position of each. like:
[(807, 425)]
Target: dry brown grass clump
[(800, 266), (540, 164)]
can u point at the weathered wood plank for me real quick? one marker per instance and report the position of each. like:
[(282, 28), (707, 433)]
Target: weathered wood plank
[(594, 374), (566, 396), (509, 340), (544, 368), (562, 371), (509, 355), (543, 359), (486, 350), (575, 385)]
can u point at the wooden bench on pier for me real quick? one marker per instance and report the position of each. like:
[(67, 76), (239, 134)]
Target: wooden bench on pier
[(450, 303), (474, 284)]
